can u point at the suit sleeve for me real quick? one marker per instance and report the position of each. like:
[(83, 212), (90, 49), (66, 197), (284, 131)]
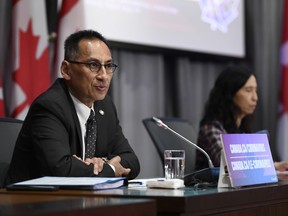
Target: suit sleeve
[(111, 140)]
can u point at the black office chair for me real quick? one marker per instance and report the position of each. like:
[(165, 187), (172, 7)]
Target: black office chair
[(9, 130), (164, 139)]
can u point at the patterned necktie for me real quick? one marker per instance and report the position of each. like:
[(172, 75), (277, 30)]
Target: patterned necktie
[(90, 138)]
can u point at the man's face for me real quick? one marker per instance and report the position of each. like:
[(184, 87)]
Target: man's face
[(84, 84)]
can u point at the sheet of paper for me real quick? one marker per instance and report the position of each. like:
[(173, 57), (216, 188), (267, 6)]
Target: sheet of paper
[(69, 181)]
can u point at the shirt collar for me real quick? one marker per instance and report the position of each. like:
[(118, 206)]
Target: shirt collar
[(82, 110)]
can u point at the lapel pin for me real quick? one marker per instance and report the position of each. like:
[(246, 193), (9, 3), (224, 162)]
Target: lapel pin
[(101, 112)]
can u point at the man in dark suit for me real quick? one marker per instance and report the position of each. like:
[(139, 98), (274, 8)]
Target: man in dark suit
[(52, 139)]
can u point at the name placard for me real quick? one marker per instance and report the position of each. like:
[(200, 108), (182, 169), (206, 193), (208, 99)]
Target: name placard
[(246, 160)]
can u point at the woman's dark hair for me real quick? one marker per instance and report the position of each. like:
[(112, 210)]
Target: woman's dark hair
[(71, 49), (220, 105)]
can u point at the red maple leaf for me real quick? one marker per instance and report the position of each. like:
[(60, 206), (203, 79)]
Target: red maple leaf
[(33, 75)]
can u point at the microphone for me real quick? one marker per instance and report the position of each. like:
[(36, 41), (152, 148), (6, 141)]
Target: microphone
[(210, 174)]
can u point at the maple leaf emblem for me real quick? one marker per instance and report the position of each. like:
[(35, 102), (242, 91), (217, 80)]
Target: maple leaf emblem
[(33, 75)]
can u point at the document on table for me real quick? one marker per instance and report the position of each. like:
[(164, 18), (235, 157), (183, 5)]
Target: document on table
[(82, 183)]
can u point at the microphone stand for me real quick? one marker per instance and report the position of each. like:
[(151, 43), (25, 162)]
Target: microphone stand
[(209, 175)]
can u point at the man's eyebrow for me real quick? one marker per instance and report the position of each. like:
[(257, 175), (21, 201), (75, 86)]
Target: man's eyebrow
[(98, 61), (93, 60)]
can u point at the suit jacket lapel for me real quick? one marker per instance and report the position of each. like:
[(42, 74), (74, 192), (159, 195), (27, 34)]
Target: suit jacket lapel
[(74, 115), (100, 119)]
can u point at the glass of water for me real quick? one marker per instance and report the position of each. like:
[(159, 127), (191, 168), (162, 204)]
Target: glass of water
[(174, 164)]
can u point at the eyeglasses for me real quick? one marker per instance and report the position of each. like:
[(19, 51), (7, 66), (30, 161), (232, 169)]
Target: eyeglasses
[(96, 66)]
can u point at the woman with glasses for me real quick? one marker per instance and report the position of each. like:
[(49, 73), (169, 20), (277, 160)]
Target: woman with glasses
[(72, 129), (229, 109)]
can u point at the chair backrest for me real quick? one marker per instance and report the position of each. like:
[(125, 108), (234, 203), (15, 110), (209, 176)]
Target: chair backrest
[(9, 130), (164, 139)]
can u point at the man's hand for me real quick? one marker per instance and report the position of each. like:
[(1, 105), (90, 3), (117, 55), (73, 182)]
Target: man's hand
[(97, 162), (119, 169)]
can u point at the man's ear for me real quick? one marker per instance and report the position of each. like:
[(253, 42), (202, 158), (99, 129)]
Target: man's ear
[(65, 70)]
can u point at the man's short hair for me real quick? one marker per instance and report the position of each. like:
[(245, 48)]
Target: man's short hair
[(71, 49)]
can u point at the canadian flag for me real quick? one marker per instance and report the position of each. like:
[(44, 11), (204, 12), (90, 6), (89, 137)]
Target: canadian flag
[(30, 71), (282, 131), (71, 19)]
